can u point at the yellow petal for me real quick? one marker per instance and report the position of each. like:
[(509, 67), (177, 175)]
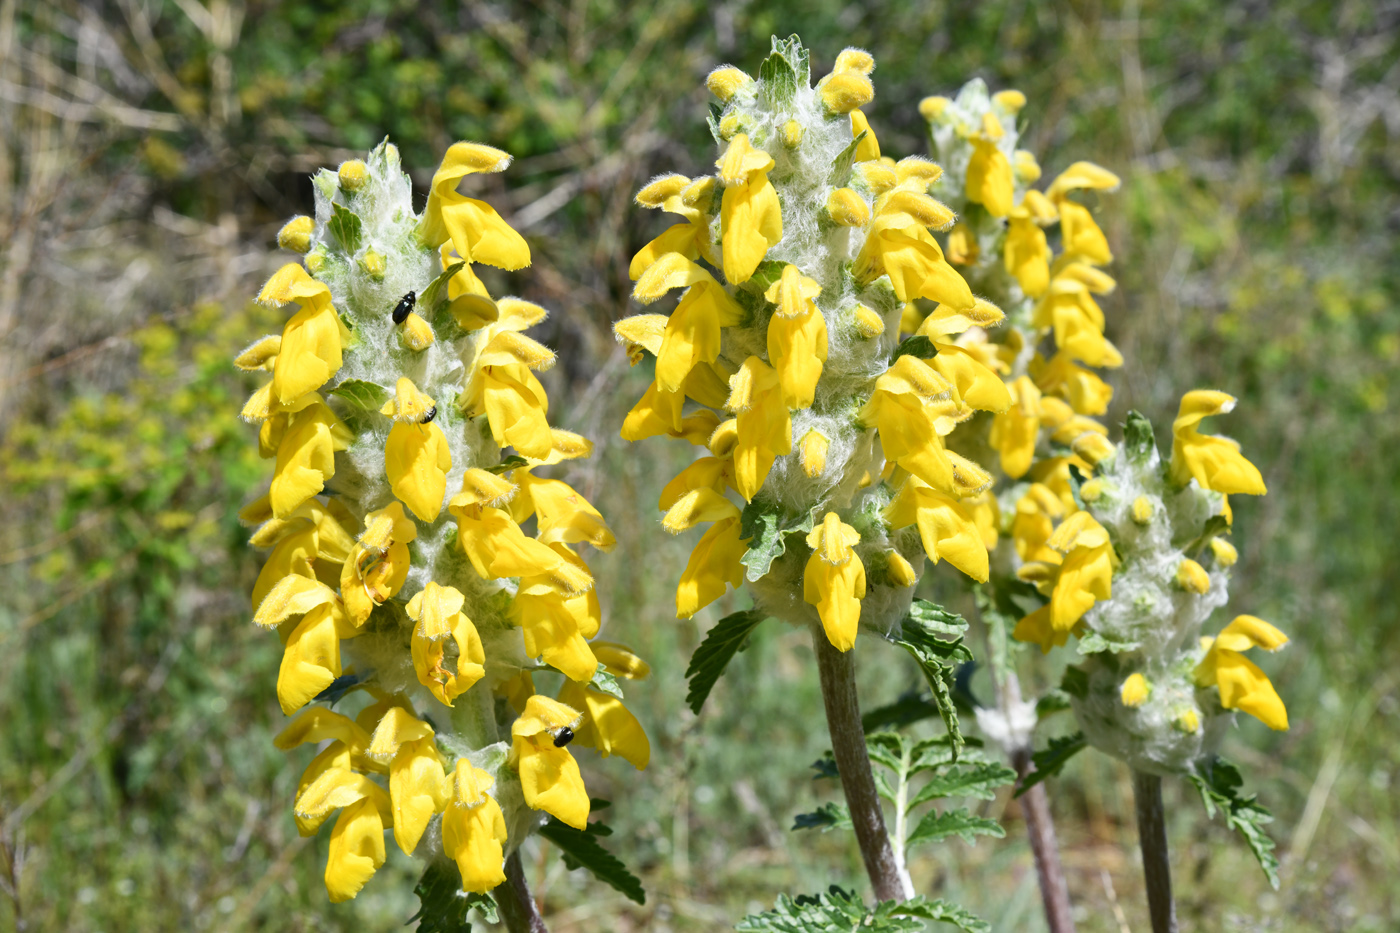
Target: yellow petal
[(416, 461), (356, 850)]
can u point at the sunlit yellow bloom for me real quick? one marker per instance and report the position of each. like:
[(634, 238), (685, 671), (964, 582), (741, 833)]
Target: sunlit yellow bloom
[(1081, 236), (1034, 523), (676, 194), (764, 424), (713, 563), (1135, 690), (620, 660), (869, 147), (725, 81), (1224, 551), (305, 453), (1213, 461), (438, 612), (913, 261), (846, 208), (1086, 392), (845, 91), (261, 354), (415, 790), (562, 515), (416, 455), (963, 248), (986, 515), (556, 626), (661, 412), (1078, 321), (797, 344), (751, 219), (1243, 686), (1087, 572), (311, 652), (1026, 253), (692, 333), (899, 571), (498, 548), (345, 752), (311, 341), (607, 725), (913, 406), (378, 564), (477, 232), (296, 234), (474, 829), (814, 446), (1082, 175), (549, 776), (500, 384), (990, 181), (357, 841), (834, 580), (946, 527)]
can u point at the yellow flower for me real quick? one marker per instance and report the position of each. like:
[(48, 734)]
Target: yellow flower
[(764, 424), (946, 527), (305, 452), (416, 456), (692, 334), (869, 147), (1087, 572), (620, 661), (913, 407), (751, 219), (660, 412), (477, 232), (311, 652), (1214, 462), (898, 246), (1015, 431), (378, 564), (676, 194), (1086, 393), (607, 725), (713, 563), (1192, 577), (474, 829), (501, 386), (1243, 686), (438, 612), (311, 342), (346, 752), (357, 841), (797, 344), (498, 548), (834, 580), (405, 744), (549, 776), (562, 515), (556, 626), (990, 181), (1026, 254), (1077, 319), (1135, 690), (1034, 523)]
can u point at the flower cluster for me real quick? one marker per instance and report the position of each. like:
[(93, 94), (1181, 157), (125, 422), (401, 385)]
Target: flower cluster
[(1117, 557), (401, 573), (787, 372)]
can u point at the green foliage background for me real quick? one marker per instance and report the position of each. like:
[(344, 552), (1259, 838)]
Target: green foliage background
[(151, 150)]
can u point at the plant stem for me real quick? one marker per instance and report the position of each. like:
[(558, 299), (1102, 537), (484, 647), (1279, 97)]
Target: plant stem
[(516, 905), (1152, 836), (838, 679)]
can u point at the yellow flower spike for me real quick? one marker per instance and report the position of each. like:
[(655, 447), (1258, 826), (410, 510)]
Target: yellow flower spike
[(1081, 176), (1214, 462), (963, 249), (306, 455), (698, 505), (549, 776), (262, 354), (946, 527), (563, 516), (1026, 253), (1014, 432), (797, 336), (845, 91), (555, 625), (477, 232), (814, 445), (751, 219), (1087, 572), (1135, 690), (1192, 577), (1143, 510), (869, 147), (713, 563), (357, 841), (620, 661), (990, 179), (311, 341), (416, 790), (791, 134), (868, 324), (1243, 686), (607, 725), (834, 580), (692, 334), (416, 334), (296, 234), (725, 81), (1224, 551), (915, 264), (846, 208), (474, 829), (763, 424), (1081, 236)]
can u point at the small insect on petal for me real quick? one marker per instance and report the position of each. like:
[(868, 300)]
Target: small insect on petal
[(563, 737), (404, 308), (432, 413)]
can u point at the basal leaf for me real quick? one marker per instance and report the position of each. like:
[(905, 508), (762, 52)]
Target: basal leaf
[(714, 653), (1052, 760), (960, 823), (582, 850)]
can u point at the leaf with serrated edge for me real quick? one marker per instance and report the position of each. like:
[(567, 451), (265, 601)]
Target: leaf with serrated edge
[(443, 906), (978, 781), (1052, 760), (606, 683), (583, 850), (960, 823), (827, 817), (1218, 783), (345, 226), (714, 653), (766, 530), (838, 911)]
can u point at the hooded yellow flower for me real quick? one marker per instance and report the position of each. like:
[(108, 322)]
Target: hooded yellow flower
[(990, 181), (309, 354), (692, 332), (834, 580), (677, 194), (549, 776), (764, 424), (477, 232), (1214, 462), (438, 612), (797, 344), (1014, 432), (1243, 686), (557, 625), (305, 453), (311, 654), (474, 829), (946, 527), (751, 219), (607, 725), (378, 565), (715, 561), (416, 456), (357, 841), (898, 246), (501, 385)]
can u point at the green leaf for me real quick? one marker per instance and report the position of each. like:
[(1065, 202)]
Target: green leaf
[(1052, 760), (768, 272), (825, 767), (1055, 701), (1076, 483), (934, 637), (841, 165), (326, 182), (714, 653), (767, 529), (604, 682), (366, 396), (827, 817), (785, 69), (514, 461), (1095, 643), (1075, 683), (941, 751), (911, 707), (960, 823), (443, 905), (978, 781), (1215, 525), (345, 227), (582, 850), (1219, 782), (839, 911), (1138, 438), (436, 292), (918, 345), (934, 621)]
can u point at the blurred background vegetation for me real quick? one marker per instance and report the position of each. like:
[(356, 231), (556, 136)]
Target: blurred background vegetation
[(151, 149)]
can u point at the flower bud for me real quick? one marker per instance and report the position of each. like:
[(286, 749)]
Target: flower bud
[(1136, 690), (933, 108), (814, 445), (1009, 100), (847, 90), (792, 134), (853, 59), (901, 572), (1192, 577), (1093, 447), (1025, 166), (724, 438), (725, 81), (417, 334), (315, 260), (869, 325), (847, 209), (1224, 551), (1142, 510), (296, 235), (353, 175), (373, 264)]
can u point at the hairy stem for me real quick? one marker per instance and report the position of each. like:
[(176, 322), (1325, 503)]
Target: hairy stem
[(517, 907), (838, 679), (1152, 836)]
